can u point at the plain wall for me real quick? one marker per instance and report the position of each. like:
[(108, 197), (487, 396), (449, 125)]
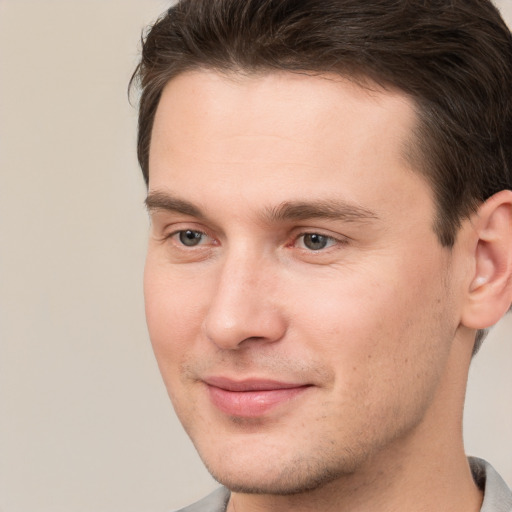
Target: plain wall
[(85, 423)]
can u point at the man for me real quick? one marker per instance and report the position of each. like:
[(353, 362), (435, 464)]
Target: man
[(329, 184)]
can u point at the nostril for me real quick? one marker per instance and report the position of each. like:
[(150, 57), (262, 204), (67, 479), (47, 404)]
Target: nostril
[(264, 325)]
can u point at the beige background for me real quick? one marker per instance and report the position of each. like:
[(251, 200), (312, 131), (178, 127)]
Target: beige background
[(85, 424)]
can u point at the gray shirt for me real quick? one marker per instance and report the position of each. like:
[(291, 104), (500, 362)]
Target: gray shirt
[(497, 496)]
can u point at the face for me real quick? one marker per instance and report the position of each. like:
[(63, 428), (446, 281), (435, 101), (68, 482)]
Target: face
[(297, 298)]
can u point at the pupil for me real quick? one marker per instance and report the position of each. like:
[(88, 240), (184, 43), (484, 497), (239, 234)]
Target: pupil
[(190, 238), (315, 242)]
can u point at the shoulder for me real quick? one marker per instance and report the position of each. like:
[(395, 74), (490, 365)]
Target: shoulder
[(497, 495), (217, 501)]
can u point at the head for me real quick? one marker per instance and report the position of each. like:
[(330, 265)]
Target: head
[(249, 290)]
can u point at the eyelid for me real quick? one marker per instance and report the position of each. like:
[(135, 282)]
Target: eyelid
[(173, 230), (167, 231), (181, 230), (176, 232), (336, 238)]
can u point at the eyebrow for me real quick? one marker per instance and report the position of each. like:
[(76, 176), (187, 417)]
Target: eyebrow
[(322, 209), (286, 211), (163, 201)]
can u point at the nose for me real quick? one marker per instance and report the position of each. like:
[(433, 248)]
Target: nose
[(244, 307)]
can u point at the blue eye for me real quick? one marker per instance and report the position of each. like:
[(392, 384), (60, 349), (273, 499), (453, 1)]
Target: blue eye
[(190, 238), (315, 241)]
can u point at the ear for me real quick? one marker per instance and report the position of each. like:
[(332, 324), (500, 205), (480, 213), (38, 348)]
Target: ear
[(490, 289)]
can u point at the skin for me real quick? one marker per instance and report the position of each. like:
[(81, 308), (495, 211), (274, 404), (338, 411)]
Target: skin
[(373, 326)]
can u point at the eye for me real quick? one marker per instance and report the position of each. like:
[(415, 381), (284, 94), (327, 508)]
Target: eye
[(315, 241), (189, 237)]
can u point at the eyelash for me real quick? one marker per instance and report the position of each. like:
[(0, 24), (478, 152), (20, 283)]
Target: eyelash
[(176, 236), (330, 241)]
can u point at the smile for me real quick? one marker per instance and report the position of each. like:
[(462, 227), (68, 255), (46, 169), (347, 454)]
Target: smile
[(251, 398)]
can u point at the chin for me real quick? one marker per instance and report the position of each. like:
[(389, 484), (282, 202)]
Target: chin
[(275, 476)]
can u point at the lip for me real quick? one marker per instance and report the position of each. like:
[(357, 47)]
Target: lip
[(251, 398)]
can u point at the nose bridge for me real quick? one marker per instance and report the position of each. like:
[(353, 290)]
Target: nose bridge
[(243, 306)]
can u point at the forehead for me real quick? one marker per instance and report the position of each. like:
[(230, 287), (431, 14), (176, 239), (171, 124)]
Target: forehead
[(279, 103), (280, 131)]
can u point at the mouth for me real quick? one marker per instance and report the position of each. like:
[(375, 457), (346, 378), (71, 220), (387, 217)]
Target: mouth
[(251, 398)]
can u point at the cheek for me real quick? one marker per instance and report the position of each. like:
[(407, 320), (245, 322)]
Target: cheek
[(174, 316), (385, 345), (376, 321), (174, 313)]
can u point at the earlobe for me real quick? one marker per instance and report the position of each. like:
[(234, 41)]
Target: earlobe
[(490, 290)]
